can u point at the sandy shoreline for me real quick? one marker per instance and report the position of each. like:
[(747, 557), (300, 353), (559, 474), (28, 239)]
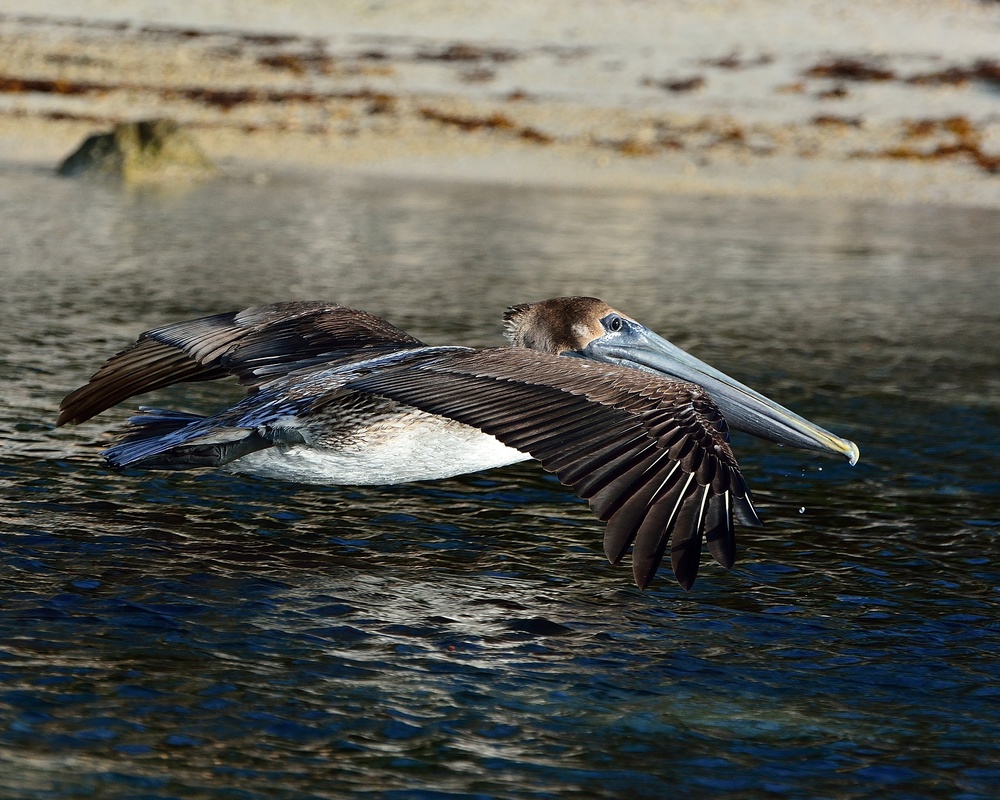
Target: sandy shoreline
[(892, 102)]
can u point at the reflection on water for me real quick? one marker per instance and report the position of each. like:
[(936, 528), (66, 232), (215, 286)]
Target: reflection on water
[(212, 636)]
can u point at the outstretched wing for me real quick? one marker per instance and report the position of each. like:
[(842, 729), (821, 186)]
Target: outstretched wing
[(256, 345), (650, 455)]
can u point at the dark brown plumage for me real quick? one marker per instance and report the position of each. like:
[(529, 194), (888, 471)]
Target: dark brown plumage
[(255, 345), (650, 456)]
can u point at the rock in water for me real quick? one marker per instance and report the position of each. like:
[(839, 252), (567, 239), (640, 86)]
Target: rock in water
[(148, 150)]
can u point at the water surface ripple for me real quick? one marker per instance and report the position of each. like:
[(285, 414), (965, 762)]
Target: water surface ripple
[(199, 635)]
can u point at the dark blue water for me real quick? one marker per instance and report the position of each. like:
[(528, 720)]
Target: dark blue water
[(199, 635)]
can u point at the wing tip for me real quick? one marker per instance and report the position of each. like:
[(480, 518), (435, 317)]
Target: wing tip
[(716, 528)]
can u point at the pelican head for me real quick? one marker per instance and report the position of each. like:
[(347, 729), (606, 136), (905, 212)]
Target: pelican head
[(585, 327)]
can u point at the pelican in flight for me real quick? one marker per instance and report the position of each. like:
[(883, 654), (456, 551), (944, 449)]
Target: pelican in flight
[(633, 424)]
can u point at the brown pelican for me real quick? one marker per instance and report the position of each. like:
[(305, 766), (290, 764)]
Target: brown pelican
[(632, 423)]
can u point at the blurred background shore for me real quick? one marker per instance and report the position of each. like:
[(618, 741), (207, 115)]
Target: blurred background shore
[(894, 101)]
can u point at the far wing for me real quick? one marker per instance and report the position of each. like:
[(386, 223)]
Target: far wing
[(650, 455), (256, 345)]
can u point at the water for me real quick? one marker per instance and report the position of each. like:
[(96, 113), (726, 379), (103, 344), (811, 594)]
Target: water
[(199, 635)]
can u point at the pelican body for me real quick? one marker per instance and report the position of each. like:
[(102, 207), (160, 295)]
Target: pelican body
[(336, 395)]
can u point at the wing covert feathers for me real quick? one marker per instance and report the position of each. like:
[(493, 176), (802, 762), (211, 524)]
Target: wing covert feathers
[(650, 456), (255, 345)]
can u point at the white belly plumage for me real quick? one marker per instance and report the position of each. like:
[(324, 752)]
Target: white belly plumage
[(420, 448)]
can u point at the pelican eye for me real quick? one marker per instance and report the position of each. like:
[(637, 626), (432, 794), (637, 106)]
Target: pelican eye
[(613, 323)]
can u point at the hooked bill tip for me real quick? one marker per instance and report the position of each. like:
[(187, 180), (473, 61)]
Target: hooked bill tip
[(852, 452)]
